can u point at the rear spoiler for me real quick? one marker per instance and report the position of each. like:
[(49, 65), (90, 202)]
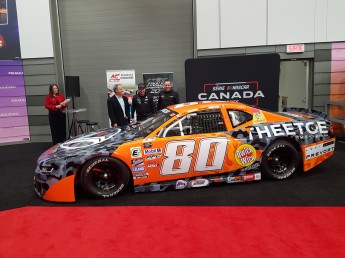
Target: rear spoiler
[(310, 112)]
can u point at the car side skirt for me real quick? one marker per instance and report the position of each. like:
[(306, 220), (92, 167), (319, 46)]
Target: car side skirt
[(204, 181)]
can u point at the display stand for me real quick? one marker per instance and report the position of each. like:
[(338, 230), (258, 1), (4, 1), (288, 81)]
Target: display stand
[(73, 130)]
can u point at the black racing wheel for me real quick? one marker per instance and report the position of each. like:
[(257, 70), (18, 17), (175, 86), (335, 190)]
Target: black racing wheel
[(280, 160), (104, 177)]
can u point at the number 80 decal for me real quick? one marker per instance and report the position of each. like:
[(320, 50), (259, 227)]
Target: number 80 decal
[(178, 155)]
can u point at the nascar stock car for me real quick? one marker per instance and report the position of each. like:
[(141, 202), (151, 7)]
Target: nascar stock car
[(185, 146)]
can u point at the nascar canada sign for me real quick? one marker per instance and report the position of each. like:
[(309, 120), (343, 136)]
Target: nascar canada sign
[(234, 91)]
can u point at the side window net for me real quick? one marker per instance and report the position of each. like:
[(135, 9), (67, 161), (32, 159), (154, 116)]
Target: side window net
[(208, 123)]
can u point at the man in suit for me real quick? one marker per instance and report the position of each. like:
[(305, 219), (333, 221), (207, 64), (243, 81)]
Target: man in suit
[(118, 107)]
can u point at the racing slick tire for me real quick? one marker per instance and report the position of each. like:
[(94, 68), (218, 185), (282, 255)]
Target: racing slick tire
[(280, 160), (104, 177)]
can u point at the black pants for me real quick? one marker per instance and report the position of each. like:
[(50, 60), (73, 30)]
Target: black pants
[(57, 121)]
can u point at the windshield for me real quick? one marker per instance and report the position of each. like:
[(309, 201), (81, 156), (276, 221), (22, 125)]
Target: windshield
[(149, 125)]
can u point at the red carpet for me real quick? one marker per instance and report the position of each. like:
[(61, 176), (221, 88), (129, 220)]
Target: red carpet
[(172, 232)]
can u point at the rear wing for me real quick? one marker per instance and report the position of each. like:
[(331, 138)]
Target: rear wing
[(310, 113)]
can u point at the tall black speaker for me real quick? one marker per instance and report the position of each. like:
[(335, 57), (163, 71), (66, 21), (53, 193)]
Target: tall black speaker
[(72, 86)]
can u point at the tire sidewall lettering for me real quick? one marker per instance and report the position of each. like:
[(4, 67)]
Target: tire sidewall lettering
[(275, 148), (114, 193), (93, 164)]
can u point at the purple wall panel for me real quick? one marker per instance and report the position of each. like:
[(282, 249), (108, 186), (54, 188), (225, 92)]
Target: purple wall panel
[(10, 62), (10, 80), (12, 101), (21, 138), (14, 131), (11, 70), (13, 111), (13, 121), (11, 90)]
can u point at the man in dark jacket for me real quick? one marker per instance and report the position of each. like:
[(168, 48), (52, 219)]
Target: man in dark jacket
[(118, 107), (142, 104), (167, 96)]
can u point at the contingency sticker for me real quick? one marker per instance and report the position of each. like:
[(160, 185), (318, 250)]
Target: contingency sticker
[(319, 149), (136, 152), (245, 155), (258, 116)]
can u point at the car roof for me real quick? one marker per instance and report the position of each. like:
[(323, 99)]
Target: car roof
[(204, 105)]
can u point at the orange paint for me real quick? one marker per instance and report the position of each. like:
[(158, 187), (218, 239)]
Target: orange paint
[(61, 191)]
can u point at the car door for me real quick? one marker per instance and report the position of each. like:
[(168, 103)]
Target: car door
[(194, 145)]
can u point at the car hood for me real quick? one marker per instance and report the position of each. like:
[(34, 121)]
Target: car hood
[(104, 141)]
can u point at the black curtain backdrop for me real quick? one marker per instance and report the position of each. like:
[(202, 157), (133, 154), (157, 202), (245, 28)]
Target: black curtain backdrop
[(252, 79)]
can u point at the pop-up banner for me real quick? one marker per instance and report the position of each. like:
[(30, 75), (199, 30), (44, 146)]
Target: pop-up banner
[(252, 79), (124, 77), (154, 83)]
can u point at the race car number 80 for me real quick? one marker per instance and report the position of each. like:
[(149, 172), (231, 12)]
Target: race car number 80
[(178, 155)]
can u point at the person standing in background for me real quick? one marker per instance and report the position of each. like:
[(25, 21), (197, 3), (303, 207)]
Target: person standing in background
[(142, 104), (54, 102), (167, 96), (118, 107)]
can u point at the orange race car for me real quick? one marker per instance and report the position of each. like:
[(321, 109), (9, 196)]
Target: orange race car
[(185, 146)]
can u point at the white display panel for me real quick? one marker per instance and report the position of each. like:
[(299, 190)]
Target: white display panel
[(207, 20), (243, 23), (336, 20), (290, 21), (320, 20), (34, 25)]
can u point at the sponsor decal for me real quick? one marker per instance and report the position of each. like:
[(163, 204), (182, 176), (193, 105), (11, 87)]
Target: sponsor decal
[(245, 155), (136, 152), (147, 145), (152, 164), (258, 116), (139, 176), (257, 176), (138, 169), (250, 177), (233, 179), (137, 162), (199, 182), (181, 184), (318, 127), (152, 151), (319, 149), (153, 157), (165, 111), (218, 179)]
